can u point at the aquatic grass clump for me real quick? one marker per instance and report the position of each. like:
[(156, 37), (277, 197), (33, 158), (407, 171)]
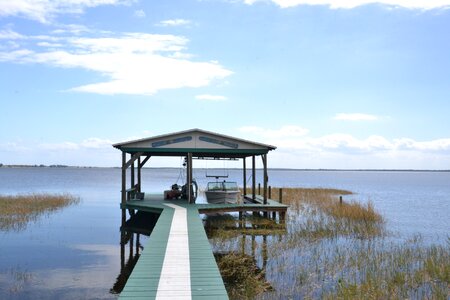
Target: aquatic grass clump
[(353, 211), (320, 213), (336, 249), (242, 277), (407, 271), (16, 211)]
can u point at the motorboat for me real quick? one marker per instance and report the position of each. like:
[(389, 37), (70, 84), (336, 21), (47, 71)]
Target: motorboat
[(222, 192)]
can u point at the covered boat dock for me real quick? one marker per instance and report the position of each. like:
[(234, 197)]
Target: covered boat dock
[(177, 260)]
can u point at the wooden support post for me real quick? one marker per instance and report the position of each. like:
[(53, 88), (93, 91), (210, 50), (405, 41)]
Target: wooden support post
[(270, 192), (137, 243), (253, 178), (189, 178), (280, 195), (144, 161), (124, 196), (139, 175), (244, 174), (132, 175), (265, 177), (140, 166), (340, 200), (133, 158)]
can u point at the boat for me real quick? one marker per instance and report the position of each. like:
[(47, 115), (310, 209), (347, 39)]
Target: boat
[(222, 192)]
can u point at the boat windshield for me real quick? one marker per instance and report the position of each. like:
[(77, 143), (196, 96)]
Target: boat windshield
[(215, 186), (222, 186), (230, 186)]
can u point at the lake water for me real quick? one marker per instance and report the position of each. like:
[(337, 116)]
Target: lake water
[(75, 253)]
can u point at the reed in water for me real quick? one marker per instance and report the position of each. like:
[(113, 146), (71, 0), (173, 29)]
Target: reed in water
[(333, 249), (16, 211)]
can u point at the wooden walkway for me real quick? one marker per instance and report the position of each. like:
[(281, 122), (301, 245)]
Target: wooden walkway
[(177, 262)]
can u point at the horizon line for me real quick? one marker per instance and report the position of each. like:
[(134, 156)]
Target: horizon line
[(275, 168)]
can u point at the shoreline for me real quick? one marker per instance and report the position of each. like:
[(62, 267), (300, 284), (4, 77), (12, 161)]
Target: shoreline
[(273, 169)]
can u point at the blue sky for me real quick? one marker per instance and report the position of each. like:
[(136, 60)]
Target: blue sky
[(332, 84)]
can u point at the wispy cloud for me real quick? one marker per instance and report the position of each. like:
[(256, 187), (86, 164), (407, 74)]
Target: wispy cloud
[(355, 117), (139, 13), (74, 29), (288, 131), (143, 63), (348, 4), (90, 143), (8, 34), (49, 45), (174, 22), (207, 97), (45, 10)]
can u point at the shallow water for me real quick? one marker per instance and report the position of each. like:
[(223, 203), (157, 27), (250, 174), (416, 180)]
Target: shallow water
[(75, 253)]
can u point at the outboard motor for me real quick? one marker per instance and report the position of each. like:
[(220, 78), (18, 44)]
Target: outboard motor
[(194, 191)]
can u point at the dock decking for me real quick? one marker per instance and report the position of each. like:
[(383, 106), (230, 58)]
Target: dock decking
[(177, 262)]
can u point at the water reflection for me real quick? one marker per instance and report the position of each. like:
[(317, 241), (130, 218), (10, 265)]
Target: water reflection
[(139, 226)]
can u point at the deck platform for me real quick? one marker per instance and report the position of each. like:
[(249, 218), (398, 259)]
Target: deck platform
[(177, 261)]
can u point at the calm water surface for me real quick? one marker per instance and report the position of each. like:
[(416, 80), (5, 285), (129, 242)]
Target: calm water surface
[(76, 254)]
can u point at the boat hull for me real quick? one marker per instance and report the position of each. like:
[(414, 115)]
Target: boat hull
[(217, 197)]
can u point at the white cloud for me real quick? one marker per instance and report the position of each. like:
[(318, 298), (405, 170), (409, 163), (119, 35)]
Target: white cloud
[(296, 138), (96, 143), (288, 131), (45, 10), (348, 4), (59, 146), (294, 150), (49, 45), (10, 35), (71, 28), (90, 143), (174, 22), (143, 63), (355, 117), (139, 13), (340, 150), (207, 97)]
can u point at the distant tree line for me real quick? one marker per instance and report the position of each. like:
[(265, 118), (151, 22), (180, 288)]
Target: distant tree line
[(33, 166)]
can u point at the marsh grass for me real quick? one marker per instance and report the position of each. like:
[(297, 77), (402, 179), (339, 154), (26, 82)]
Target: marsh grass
[(407, 271), (318, 213), (17, 211), (242, 277), (339, 251)]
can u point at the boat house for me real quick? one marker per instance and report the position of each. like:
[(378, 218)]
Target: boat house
[(177, 260), (192, 144)]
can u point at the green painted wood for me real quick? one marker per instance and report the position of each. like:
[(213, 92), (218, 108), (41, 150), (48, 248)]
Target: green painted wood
[(205, 275), (143, 281), (206, 281)]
